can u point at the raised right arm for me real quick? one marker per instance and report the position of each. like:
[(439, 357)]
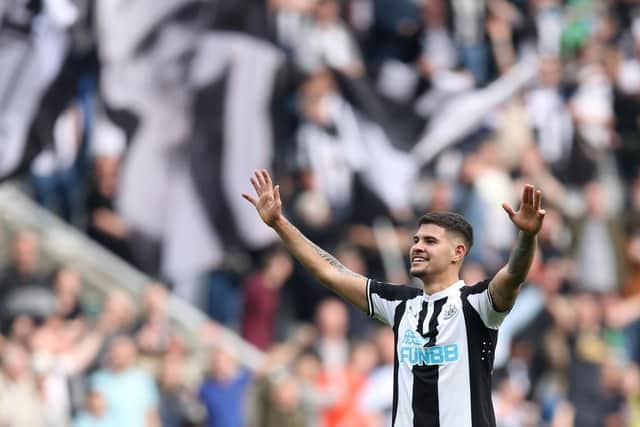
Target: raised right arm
[(328, 270)]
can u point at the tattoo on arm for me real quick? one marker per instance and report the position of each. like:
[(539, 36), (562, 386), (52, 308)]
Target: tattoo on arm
[(505, 289), (521, 257), (330, 258)]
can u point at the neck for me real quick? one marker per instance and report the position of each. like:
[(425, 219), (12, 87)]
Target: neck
[(433, 284)]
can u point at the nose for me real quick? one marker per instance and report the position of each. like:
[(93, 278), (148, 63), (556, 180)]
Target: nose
[(417, 247)]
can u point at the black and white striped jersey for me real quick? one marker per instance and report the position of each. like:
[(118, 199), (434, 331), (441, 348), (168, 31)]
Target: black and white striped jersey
[(444, 352)]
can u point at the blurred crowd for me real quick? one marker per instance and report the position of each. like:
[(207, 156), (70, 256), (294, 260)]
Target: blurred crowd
[(381, 110)]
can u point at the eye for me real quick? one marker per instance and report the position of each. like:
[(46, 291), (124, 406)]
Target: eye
[(415, 239)]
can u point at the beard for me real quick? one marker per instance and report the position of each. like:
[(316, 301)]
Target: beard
[(426, 271)]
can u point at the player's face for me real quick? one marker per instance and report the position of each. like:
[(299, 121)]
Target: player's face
[(432, 251)]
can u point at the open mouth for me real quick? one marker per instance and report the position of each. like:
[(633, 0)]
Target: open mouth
[(418, 259)]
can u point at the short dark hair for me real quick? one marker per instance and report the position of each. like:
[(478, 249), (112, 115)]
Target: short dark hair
[(450, 221)]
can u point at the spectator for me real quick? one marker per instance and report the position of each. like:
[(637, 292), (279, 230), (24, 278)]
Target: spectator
[(117, 315), (511, 408), (332, 345), (24, 267), (376, 399), (593, 399), (67, 285), (489, 180), (130, 394), (325, 41), (286, 393), (283, 404), (438, 50), (106, 226), (21, 329), (323, 147), (224, 391), (116, 318), (549, 114), (262, 296), (351, 257), (176, 406), (154, 330), (308, 368), (599, 264), (469, 33), (55, 172), (59, 355), (95, 413), (20, 403), (347, 384)]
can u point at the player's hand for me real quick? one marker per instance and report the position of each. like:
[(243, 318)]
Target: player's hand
[(268, 203), (530, 216)]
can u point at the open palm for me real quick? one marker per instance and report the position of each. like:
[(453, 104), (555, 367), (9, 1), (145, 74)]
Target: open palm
[(268, 204), (530, 216)]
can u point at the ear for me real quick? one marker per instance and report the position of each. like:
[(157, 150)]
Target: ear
[(460, 250)]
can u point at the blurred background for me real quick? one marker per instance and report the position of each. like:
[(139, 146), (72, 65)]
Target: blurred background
[(137, 288)]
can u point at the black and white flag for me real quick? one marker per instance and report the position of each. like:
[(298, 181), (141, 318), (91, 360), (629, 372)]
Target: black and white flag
[(201, 99)]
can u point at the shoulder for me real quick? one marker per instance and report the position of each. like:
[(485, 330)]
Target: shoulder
[(392, 292), (476, 288)]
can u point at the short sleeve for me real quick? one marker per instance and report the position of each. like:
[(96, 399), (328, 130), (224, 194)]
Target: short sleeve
[(384, 298), (480, 299)]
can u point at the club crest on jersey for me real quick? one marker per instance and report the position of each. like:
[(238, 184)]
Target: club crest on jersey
[(449, 311)]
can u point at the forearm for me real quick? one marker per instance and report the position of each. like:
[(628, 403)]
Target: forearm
[(84, 352), (521, 258), (504, 54), (322, 265), (505, 285)]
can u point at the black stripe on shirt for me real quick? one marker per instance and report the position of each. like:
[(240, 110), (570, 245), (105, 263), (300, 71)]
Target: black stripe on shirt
[(426, 412), (423, 314), (481, 345)]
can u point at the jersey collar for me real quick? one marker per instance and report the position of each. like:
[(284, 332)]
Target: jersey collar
[(452, 289)]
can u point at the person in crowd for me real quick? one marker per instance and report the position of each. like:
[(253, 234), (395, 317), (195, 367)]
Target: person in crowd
[(154, 330), (599, 252), (105, 224), (95, 412), (376, 399), (177, 406), (224, 391), (262, 296), (20, 401), (332, 345), (61, 351), (24, 267), (130, 394), (67, 285)]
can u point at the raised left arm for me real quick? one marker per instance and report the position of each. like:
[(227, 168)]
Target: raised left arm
[(505, 285)]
